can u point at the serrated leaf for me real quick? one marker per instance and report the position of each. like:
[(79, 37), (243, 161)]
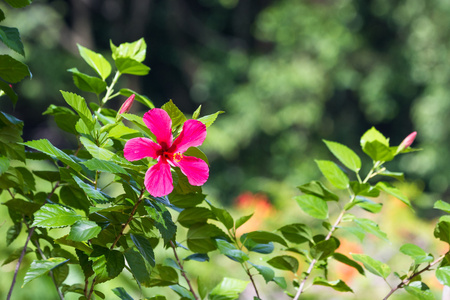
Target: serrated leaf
[(442, 231), (131, 66), (316, 188), (416, 253), (95, 164), (443, 275), (4, 164), (135, 50), (91, 192), (419, 290), (209, 119), (364, 189), (349, 262), (12, 70), (284, 262), (18, 3), (138, 267), (223, 216), (108, 266), (87, 83), (267, 273), (263, 237), (372, 265), (11, 38), (138, 97), (39, 268), (242, 220), (386, 187), (53, 215), (337, 285), (314, 206), (378, 151), (296, 233), (96, 151), (175, 114), (368, 205), (193, 215), (228, 289), (83, 230), (441, 205), (345, 155), (200, 237), (370, 226), (333, 174), (374, 135), (144, 247), (122, 294), (163, 276), (231, 251), (46, 147), (96, 61), (323, 249), (78, 103)]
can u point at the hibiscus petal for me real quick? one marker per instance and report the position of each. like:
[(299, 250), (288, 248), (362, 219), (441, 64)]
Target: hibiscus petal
[(160, 124), (192, 135), (158, 179), (195, 169), (139, 148)]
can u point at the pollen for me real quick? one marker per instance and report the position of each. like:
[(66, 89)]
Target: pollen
[(177, 157)]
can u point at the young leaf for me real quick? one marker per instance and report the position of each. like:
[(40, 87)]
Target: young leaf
[(95, 164), (443, 275), (11, 38), (444, 206), (316, 188), (333, 173), (53, 215), (374, 135), (242, 220), (419, 290), (131, 66), (136, 50), (416, 253), (442, 231), (386, 187), (96, 61), (46, 147), (349, 262), (209, 119), (337, 285), (296, 233), (370, 226), (87, 83), (39, 268), (12, 70), (144, 247), (284, 262), (83, 230), (345, 155), (372, 265), (96, 151), (228, 289), (324, 249), (368, 205), (79, 105), (175, 114), (314, 206), (138, 97), (364, 189), (231, 251)]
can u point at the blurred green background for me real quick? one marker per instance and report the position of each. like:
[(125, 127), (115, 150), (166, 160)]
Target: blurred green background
[(287, 73)]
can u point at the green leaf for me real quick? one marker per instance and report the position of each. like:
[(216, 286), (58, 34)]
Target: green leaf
[(23, 207), (419, 290), (183, 292), (121, 293), (231, 251), (108, 265), (195, 152), (96, 61), (95, 164), (209, 119), (53, 215), (84, 230), (91, 192), (163, 276), (251, 245), (345, 155), (11, 38), (12, 233), (364, 189), (15, 255), (46, 147), (284, 262), (163, 220), (297, 233), (144, 247), (370, 226), (138, 267), (223, 216), (175, 114), (333, 173), (264, 237), (267, 273), (96, 151), (200, 237), (314, 206), (316, 188), (11, 137), (228, 289), (138, 97), (39, 268), (87, 83), (374, 135), (79, 105), (136, 120), (378, 151), (12, 70), (372, 265), (4, 164), (416, 253), (442, 231), (18, 3), (74, 197), (131, 66), (349, 262), (368, 205), (324, 249), (186, 200), (386, 187), (443, 275), (337, 285), (193, 215), (444, 206), (135, 50), (9, 92), (242, 220)]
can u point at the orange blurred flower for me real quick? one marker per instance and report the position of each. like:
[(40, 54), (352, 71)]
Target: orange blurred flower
[(257, 203)]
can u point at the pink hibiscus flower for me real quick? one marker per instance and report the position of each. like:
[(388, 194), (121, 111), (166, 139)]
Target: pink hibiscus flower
[(168, 152)]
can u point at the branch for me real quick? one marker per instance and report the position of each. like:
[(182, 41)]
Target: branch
[(183, 273), (407, 280), (247, 270)]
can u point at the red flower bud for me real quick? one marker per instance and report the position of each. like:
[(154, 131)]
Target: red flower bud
[(127, 105), (407, 141)]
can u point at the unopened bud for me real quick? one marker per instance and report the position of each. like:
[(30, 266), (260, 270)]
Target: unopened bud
[(407, 141), (127, 105)]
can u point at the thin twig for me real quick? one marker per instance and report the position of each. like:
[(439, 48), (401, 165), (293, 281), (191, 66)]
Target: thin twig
[(19, 262), (407, 280), (247, 270), (183, 273)]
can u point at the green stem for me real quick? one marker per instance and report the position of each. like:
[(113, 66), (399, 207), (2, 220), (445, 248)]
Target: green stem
[(109, 91)]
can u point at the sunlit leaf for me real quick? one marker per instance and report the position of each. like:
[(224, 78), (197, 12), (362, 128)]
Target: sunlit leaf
[(372, 265), (83, 230), (345, 155), (314, 206), (96, 61), (228, 289), (333, 173), (231, 251), (420, 290), (39, 268), (337, 285), (87, 83), (12, 70), (284, 262), (53, 215)]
